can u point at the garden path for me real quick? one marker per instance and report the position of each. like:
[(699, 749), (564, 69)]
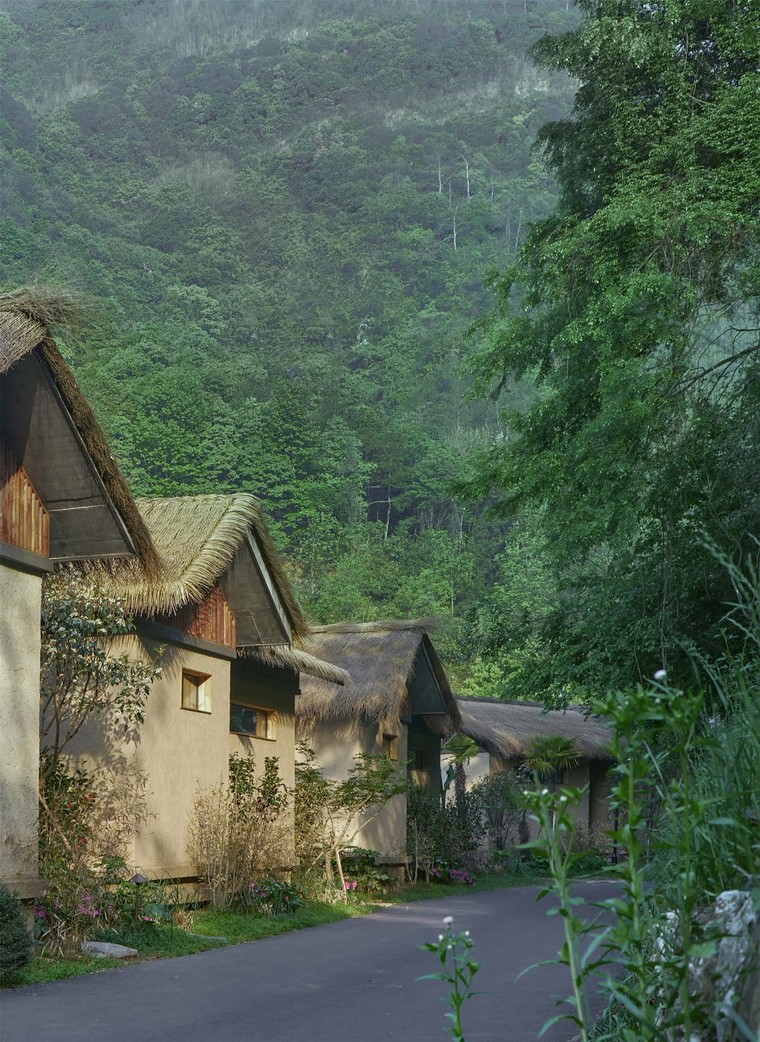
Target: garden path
[(351, 981)]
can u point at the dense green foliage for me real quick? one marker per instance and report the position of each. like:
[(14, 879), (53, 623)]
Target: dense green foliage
[(633, 308), (15, 939), (288, 210), (686, 791)]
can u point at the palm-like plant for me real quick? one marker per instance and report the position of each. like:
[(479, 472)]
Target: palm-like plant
[(461, 749), (549, 753)]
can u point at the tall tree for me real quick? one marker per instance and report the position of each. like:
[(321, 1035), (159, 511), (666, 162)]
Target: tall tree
[(634, 308)]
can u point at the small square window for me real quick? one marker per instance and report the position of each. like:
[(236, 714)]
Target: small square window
[(196, 691), (251, 721), (390, 746)]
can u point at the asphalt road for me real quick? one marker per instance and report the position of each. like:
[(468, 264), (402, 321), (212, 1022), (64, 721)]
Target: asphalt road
[(352, 981)]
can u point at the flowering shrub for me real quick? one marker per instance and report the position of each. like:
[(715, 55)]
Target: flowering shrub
[(456, 876), (437, 834), (83, 679), (365, 874), (74, 859)]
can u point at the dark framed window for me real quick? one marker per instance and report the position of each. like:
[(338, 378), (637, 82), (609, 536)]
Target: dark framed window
[(251, 721), (390, 745)]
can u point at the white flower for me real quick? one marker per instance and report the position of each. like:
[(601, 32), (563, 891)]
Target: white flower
[(660, 674), (440, 936), (448, 920), (467, 933)]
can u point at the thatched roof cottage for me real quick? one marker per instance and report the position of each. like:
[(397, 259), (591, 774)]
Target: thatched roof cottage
[(224, 618), (506, 732), (62, 498), (397, 701)]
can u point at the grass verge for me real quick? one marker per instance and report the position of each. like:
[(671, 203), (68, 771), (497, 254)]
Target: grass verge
[(161, 942)]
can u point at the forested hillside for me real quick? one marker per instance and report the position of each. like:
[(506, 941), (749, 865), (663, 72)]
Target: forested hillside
[(295, 216), (287, 212)]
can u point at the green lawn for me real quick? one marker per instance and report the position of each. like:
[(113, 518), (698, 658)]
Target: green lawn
[(161, 942)]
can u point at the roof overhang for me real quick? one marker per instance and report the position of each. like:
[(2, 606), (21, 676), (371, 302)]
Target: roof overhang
[(259, 612), (425, 695), (40, 432)]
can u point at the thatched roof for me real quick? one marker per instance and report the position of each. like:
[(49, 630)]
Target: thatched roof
[(25, 338), (506, 728), (204, 540), (284, 657), (394, 673)]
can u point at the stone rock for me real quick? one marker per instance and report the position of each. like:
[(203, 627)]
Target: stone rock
[(725, 979), (730, 921), (104, 950)]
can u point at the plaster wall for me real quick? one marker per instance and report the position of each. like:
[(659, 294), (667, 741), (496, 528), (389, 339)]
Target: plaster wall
[(335, 743), (600, 812), (578, 778), (257, 691), (20, 603), (476, 770), (174, 754), (282, 743), (575, 777)]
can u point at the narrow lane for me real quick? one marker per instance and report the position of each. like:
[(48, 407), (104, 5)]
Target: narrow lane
[(353, 981)]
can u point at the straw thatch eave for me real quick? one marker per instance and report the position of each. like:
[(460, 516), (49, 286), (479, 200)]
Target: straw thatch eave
[(284, 657), (505, 729), (198, 538), (380, 658), (25, 318)]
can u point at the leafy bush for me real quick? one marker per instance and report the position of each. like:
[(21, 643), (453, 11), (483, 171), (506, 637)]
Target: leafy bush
[(239, 833), (15, 939), (366, 875), (82, 832), (500, 798), (440, 836), (82, 678), (272, 897), (329, 814)]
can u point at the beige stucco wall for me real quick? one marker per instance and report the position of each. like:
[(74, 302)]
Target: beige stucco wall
[(175, 753), (600, 812), (181, 752), (256, 690), (283, 743), (335, 744), (574, 778), (475, 771), (20, 596)]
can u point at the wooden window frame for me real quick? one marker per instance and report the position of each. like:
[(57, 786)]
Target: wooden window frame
[(202, 688), (390, 746), (269, 715)]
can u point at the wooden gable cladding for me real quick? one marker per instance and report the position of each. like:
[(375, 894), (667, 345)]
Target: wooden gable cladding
[(24, 522), (210, 620)]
